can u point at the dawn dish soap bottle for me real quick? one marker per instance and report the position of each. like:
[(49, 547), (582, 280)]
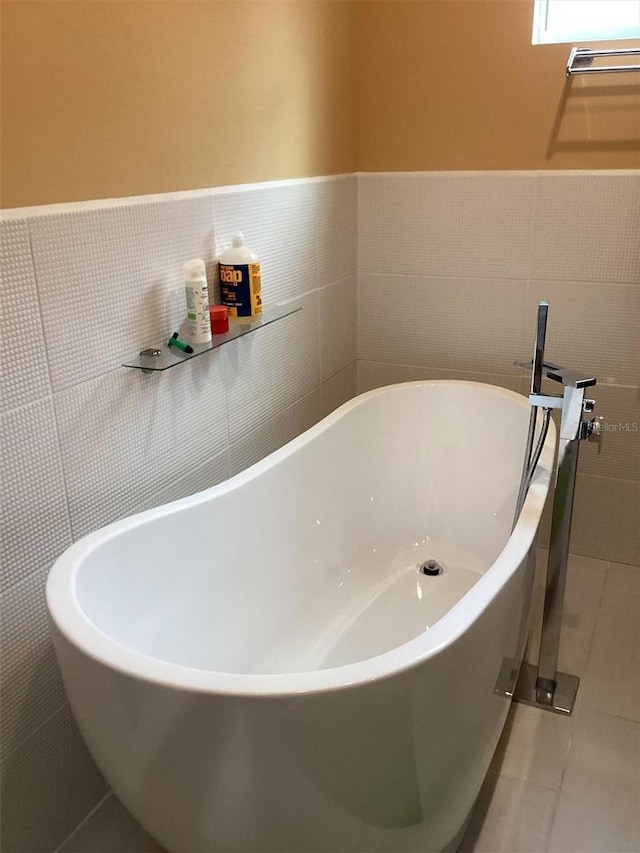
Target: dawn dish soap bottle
[(240, 285)]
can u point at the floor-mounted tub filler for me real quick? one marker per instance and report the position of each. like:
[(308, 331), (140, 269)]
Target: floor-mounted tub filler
[(307, 656)]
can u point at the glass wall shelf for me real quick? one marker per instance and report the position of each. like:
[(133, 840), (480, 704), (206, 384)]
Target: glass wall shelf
[(163, 357)]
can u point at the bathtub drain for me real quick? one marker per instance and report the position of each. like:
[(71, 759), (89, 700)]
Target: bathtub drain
[(431, 567)]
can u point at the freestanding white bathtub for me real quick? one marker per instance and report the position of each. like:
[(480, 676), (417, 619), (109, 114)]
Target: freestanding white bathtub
[(262, 666)]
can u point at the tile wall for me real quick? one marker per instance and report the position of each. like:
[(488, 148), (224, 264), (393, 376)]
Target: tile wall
[(86, 441), (451, 266), (444, 283)]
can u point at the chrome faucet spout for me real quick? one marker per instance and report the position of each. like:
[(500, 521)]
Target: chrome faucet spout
[(564, 375)]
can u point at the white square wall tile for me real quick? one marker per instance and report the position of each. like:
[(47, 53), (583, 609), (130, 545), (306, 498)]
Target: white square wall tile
[(111, 282), (49, 785), (338, 326), (126, 435), (337, 229), (624, 577), (587, 228), (275, 432), (34, 522), (454, 324), (279, 224), (605, 519), (210, 473), (617, 452), (340, 388), (591, 327), (267, 372), (375, 374), (24, 375), (31, 683), (444, 224)]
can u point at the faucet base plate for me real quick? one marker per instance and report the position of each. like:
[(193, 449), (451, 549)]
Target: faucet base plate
[(561, 701)]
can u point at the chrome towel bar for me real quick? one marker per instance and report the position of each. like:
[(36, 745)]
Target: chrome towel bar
[(581, 56)]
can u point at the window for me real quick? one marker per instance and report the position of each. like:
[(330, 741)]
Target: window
[(585, 20)]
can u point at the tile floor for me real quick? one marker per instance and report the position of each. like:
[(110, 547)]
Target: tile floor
[(557, 784), (572, 784)]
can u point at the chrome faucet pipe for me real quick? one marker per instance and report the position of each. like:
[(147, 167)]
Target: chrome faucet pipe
[(536, 385), (543, 685), (567, 460)]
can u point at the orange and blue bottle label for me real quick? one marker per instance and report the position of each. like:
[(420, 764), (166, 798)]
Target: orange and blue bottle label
[(241, 289)]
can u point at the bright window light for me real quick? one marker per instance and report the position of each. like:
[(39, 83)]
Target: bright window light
[(557, 21)]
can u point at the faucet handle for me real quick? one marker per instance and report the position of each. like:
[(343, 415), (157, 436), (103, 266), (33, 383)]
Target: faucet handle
[(592, 430), (597, 432), (592, 427)]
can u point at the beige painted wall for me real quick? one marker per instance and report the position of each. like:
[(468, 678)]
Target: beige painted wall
[(457, 84), (121, 97)]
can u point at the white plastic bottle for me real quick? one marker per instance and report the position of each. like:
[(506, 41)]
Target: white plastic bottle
[(197, 293), (240, 283)]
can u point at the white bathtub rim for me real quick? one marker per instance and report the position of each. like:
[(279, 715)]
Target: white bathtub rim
[(70, 620)]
